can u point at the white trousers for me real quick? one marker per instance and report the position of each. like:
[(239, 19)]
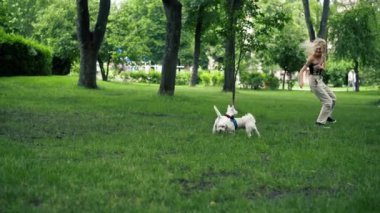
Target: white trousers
[(325, 95)]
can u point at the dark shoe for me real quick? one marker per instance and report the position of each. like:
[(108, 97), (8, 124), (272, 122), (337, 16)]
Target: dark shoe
[(331, 120), (322, 125)]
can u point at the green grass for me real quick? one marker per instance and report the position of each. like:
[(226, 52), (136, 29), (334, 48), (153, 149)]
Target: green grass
[(123, 148)]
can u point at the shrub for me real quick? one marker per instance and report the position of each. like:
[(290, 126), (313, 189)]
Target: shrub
[(154, 77), (61, 66), (217, 78), (205, 78), (20, 56), (337, 72), (139, 76), (272, 82), (252, 80), (182, 78)]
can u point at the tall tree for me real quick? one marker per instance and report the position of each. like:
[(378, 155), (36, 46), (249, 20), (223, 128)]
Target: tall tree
[(197, 44), (201, 15), (19, 16), (137, 30), (173, 12), (322, 33), (90, 41), (232, 8), (288, 54), (254, 25), (355, 35), (55, 27)]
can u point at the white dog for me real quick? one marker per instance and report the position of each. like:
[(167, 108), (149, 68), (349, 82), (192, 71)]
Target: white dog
[(228, 123)]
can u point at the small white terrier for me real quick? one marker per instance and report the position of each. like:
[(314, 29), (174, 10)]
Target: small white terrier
[(228, 123)]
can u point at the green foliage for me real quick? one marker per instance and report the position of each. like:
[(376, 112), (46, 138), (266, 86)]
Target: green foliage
[(217, 78), (205, 78), (252, 80), (211, 78), (154, 77), (257, 81), (124, 148), (182, 78), (20, 56), (337, 72), (136, 76), (56, 27), (137, 31), (355, 34), (271, 82), (370, 76), (18, 16), (287, 51)]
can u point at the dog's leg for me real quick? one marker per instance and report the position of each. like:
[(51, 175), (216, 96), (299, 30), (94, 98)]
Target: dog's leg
[(257, 131), (248, 130), (215, 123)]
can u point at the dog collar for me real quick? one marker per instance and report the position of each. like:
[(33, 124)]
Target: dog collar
[(232, 118)]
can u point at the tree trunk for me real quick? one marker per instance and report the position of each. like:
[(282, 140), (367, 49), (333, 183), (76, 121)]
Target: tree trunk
[(108, 67), (325, 15), (309, 23), (229, 71), (102, 70), (197, 46), (90, 41), (356, 69), (283, 81), (173, 34), (290, 81)]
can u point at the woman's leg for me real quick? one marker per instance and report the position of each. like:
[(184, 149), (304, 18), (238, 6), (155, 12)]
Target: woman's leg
[(318, 88), (332, 96)]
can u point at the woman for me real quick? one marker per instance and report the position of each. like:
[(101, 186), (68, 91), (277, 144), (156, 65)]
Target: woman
[(316, 65)]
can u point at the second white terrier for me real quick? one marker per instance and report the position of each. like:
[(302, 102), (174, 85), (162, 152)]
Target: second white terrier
[(228, 123)]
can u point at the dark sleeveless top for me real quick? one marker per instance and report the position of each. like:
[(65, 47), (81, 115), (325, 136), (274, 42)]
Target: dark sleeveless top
[(314, 71)]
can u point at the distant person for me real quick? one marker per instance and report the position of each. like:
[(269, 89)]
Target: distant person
[(351, 79), (316, 65)]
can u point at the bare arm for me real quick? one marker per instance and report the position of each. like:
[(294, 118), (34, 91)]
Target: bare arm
[(301, 74)]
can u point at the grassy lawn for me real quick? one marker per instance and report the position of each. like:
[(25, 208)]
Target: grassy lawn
[(123, 148)]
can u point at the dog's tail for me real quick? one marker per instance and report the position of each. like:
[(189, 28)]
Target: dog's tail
[(217, 111)]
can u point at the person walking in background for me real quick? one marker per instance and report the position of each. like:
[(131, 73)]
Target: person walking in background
[(351, 79), (316, 64)]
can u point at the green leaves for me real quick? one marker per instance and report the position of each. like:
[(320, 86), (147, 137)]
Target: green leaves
[(138, 29), (355, 34)]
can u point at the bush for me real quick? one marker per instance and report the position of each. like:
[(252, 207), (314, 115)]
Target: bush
[(337, 72), (20, 56), (139, 76), (154, 77), (272, 82), (182, 78), (61, 66), (252, 80), (205, 78), (217, 78)]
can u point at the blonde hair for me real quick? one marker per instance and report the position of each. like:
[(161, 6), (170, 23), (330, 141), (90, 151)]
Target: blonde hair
[(311, 46)]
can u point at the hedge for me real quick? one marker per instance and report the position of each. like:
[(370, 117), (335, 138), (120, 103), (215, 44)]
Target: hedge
[(21, 56)]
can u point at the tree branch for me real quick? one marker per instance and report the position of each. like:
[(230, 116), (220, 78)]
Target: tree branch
[(101, 23), (83, 20), (323, 25), (309, 23)]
